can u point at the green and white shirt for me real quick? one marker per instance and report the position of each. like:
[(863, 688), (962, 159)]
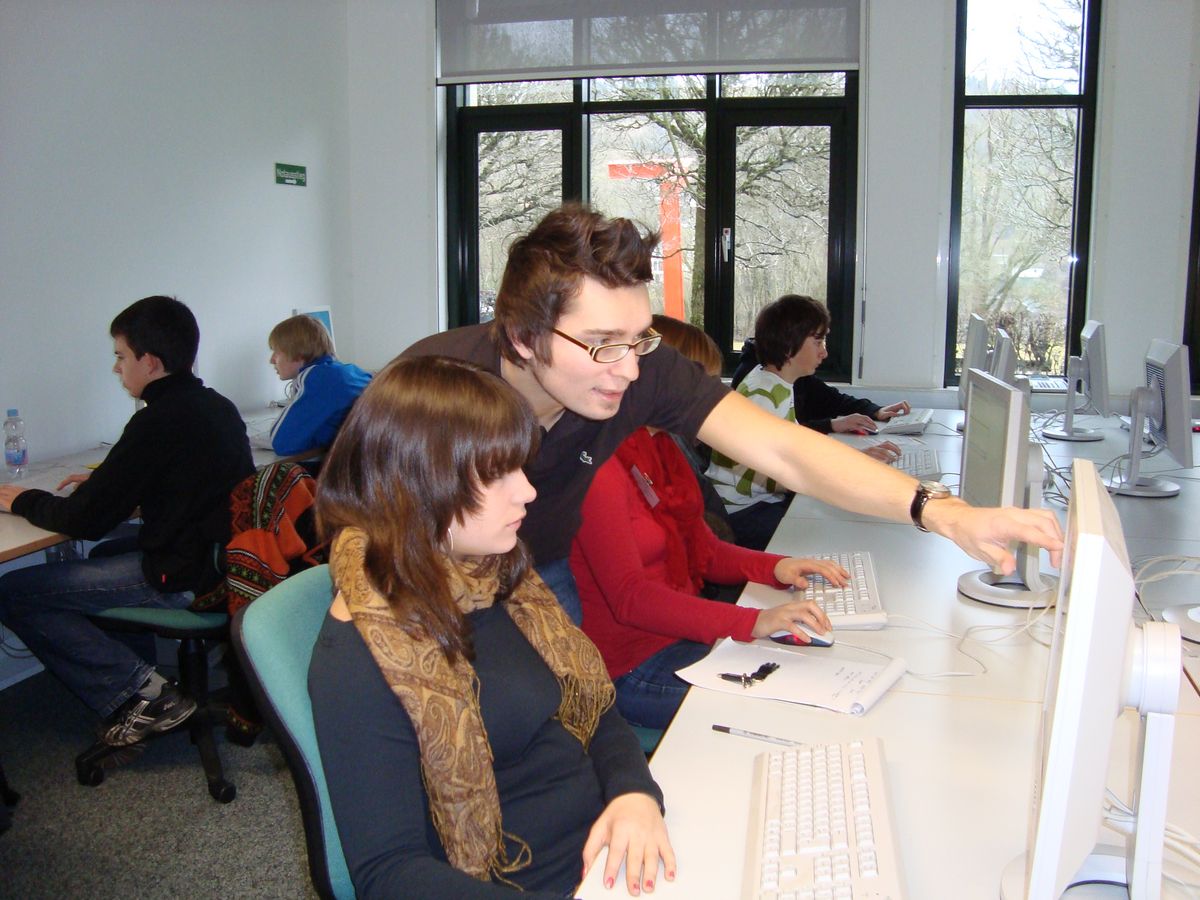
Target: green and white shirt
[(738, 485)]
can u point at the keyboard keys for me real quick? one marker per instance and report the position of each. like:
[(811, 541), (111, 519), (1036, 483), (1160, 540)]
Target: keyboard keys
[(819, 825), (856, 606)]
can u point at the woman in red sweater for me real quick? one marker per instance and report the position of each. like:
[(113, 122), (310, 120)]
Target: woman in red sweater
[(641, 557)]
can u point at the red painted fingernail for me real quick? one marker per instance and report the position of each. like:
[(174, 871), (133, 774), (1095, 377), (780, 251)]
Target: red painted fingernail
[(649, 885), (608, 883)]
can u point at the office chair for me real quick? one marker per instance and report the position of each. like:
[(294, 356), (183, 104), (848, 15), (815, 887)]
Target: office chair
[(648, 738), (274, 638), (197, 633)]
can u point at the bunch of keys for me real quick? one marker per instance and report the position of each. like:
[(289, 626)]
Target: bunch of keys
[(747, 679)]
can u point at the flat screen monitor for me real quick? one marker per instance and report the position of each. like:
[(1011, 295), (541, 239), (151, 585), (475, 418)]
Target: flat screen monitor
[(1099, 664), (975, 354), (998, 469), (1087, 375), (322, 314), (1163, 407), (1004, 358)]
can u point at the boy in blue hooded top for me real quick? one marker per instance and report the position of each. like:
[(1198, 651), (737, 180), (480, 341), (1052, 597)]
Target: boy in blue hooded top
[(326, 388)]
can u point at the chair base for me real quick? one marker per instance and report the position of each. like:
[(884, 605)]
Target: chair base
[(90, 765)]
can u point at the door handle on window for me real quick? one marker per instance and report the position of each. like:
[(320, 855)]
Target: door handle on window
[(726, 243)]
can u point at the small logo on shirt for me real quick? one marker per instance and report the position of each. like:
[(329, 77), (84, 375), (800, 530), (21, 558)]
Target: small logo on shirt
[(584, 458)]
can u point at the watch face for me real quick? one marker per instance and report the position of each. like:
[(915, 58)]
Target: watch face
[(935, 489)]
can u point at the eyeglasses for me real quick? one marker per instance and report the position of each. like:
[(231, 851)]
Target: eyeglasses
[(611, 353)]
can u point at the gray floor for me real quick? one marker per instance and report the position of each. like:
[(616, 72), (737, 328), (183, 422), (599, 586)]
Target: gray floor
[(151, 829)]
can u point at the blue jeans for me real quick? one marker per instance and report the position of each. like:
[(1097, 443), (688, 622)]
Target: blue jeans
[(46, 607), (558, 577), (650, 694)]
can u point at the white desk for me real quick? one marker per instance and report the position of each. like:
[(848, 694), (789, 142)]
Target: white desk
[(959, 752), (17, 536)]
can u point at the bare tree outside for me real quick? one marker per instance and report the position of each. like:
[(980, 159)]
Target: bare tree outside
[(1018, 187)]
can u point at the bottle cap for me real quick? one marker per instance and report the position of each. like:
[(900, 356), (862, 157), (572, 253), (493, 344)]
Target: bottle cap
[(13, 412)]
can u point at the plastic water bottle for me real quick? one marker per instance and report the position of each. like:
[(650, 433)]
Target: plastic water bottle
[(16, 452)]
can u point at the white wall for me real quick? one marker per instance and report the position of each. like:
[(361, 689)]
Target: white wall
[(1145, 159), (393, 189), (139, 139)]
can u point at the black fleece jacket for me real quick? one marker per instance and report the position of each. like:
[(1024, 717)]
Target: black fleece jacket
[(177, 460)]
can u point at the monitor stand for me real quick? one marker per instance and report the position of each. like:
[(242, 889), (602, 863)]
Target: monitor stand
[(1153, 659), (1028, 587), (1135, 484), (1188, 620), (1069, 432)]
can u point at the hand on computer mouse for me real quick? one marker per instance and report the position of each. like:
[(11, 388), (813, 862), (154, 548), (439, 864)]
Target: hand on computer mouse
[(814, 639), (803, 615)]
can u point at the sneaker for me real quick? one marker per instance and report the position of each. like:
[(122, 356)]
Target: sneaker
[(138, 717)]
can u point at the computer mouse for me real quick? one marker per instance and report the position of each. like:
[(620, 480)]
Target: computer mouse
[(818, 640)]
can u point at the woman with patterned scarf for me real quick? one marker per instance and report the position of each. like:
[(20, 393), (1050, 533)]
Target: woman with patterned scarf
[(467, 728), (643, 554)]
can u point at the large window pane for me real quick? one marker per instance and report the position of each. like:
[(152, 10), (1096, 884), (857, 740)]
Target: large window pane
[(1024, 47), (650, 168), (781, 242), (520, 180), (1018, 190)]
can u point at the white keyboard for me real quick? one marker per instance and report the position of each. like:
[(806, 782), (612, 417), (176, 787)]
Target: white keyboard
[(819, 826), (913, 423), (855, 607), (1046, 383), (919, 462)]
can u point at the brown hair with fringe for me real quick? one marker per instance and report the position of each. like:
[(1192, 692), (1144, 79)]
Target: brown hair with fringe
[(546, 268), (415, 452), (302, 338)]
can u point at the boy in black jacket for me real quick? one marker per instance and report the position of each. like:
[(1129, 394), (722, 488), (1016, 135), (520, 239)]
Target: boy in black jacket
[(176, 462)]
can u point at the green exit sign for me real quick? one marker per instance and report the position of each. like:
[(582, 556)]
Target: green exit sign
[(285, 174)]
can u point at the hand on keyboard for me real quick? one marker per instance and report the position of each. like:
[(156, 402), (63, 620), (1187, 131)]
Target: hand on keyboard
[(884, 451), (792, 569), (900, 408)]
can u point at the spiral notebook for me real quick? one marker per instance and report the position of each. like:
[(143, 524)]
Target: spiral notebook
[(812, 677)]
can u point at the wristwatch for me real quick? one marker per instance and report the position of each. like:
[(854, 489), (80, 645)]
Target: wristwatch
[(926, 491)]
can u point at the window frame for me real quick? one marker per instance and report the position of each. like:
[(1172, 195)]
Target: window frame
[(464, 123), (1085, 103)]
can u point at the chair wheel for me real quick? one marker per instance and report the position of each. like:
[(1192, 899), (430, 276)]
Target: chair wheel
[(222, 791), (89, 776)]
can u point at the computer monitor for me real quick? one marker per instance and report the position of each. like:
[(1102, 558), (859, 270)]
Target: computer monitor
[(1087, 373), (975, 354), (1163, 407), (1087, 686), (999, 469), (1003, 364)]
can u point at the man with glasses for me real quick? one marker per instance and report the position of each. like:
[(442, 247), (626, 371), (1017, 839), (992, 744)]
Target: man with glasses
[(572, 334)]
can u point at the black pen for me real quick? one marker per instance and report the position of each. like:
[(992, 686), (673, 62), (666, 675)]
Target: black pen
[(738, 732)]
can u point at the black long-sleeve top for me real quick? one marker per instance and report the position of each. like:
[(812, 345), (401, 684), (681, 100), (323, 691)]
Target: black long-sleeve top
[(551, 789), (816, 403), (177, 460)]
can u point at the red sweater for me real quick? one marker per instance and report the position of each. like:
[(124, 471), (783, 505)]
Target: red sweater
[(618, 559)]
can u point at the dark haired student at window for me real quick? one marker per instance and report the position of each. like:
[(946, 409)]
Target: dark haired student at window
[(466, 726), (789, 340), (818, 405)]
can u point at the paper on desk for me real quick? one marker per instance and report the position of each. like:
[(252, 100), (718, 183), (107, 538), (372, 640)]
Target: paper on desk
[(814, 678)]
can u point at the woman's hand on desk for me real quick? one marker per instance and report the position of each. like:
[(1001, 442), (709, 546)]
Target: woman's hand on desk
[(633, 828), (77, 478), (884, 451), (985, 532)]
